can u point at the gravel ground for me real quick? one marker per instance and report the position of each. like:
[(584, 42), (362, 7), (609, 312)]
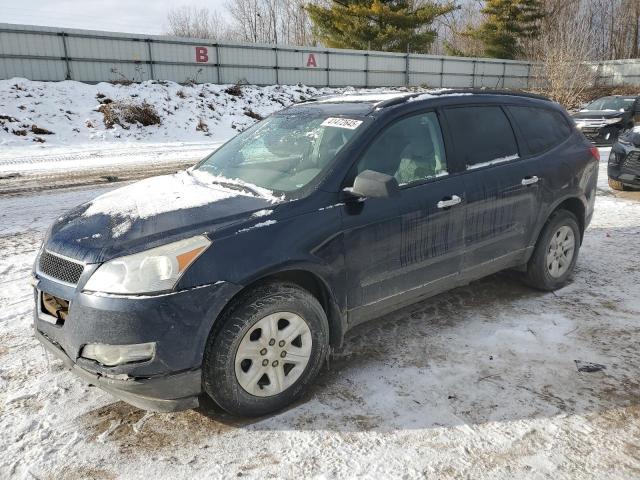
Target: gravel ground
[(482, 381)]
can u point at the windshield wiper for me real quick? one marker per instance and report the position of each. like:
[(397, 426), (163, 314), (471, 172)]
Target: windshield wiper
[(239, 186)]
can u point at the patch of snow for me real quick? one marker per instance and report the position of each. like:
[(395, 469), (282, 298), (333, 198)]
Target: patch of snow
[(331, 206), (188, 113), (209, 178), (493, 162), (365, 97), (428, 96), (262, 213), (258, 225)]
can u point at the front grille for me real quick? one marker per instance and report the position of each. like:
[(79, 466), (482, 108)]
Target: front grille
[(60, 268), (632, 161)]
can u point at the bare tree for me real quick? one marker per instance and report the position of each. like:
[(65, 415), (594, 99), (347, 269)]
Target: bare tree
[(270, 21), (562, 53), (193, 22), (451, 28)]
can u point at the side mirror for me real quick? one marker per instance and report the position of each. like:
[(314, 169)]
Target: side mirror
[(374, 184)]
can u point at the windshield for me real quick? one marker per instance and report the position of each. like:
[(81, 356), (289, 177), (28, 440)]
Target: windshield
[(610, 103), (283, 152)]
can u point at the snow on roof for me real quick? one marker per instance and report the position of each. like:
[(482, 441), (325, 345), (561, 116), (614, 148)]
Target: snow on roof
[(379, 97), (437, 94), (364, 97)]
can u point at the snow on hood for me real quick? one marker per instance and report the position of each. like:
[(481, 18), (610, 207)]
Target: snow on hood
[(157, 195), (155, 211), (151, 197)]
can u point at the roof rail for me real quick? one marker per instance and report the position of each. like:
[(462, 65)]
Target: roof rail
[(406, 96), (489, 91), (457, 91)]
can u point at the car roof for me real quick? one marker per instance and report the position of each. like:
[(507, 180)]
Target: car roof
[(366, 102)]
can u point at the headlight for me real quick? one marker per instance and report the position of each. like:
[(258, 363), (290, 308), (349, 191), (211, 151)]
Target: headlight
[(611, 121), (580, 125), (154, 270)]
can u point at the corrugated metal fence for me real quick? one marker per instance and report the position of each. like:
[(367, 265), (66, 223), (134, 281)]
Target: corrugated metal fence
[(43, 53), (618, 72)]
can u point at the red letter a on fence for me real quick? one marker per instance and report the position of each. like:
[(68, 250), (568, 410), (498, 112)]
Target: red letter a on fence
[(311, 60)]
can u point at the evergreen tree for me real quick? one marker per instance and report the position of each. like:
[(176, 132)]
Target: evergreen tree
[(387, 25), (507, 23)]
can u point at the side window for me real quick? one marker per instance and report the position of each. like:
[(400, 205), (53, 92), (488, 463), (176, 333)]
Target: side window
[(542, 128), (411, 149), (482, 135)]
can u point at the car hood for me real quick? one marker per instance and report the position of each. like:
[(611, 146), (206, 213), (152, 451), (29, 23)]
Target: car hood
[(597, 114), (152, 212)]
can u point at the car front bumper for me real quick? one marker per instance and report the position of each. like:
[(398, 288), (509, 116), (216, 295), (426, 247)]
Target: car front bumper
[(604, 135), (624, 164), (177, 323)]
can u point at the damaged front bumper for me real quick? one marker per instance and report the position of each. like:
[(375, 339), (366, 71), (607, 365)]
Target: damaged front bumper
[(177, 324), (155, 394)]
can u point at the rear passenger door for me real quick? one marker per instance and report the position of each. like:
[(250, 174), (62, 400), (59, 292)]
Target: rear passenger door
[(501, 188)]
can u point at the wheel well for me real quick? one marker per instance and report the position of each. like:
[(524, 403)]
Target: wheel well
[(316, 287), (575, 206)]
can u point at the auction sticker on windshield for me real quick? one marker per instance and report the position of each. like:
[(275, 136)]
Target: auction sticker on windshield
[(349, 123)]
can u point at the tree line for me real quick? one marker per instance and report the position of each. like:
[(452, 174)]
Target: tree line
[(508, 29)]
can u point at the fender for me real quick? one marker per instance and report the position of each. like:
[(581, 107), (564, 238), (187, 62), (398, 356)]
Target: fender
[(301, 272), (575, 195)]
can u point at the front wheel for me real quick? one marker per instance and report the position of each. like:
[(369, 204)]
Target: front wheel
[(270, 347), (556, 252)]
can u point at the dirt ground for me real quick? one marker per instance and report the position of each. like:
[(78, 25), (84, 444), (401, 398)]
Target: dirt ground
[(481, 382)]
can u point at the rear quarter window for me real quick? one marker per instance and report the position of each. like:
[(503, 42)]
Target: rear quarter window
[(542, 129), (481, 135)]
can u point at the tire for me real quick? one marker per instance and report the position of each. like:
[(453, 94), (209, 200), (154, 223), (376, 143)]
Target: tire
[(616, 185), (540, 274), (246, 330)]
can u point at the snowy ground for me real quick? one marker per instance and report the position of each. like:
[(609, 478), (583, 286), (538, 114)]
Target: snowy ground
[(477, 382), (81, 150)]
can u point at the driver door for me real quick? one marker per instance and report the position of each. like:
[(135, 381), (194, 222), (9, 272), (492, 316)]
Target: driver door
[(408, 246)]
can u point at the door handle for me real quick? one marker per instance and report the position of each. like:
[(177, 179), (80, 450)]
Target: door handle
[(529, 180), (449, 202)]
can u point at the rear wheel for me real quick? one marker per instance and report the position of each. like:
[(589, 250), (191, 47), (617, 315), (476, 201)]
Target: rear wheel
[(270, 347), (616, 185), (556, 252)]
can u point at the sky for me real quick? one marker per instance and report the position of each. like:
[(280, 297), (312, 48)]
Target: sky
[(134, 16)]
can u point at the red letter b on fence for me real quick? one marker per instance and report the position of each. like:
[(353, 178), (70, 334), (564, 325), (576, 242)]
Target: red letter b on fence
[(202, 55)]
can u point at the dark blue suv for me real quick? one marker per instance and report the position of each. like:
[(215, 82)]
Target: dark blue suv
[(235, 278)]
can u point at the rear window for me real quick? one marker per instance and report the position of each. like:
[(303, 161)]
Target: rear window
[(542, 128), (482, 135)]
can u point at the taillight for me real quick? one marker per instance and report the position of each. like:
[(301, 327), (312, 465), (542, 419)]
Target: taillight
[(596, 153)]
